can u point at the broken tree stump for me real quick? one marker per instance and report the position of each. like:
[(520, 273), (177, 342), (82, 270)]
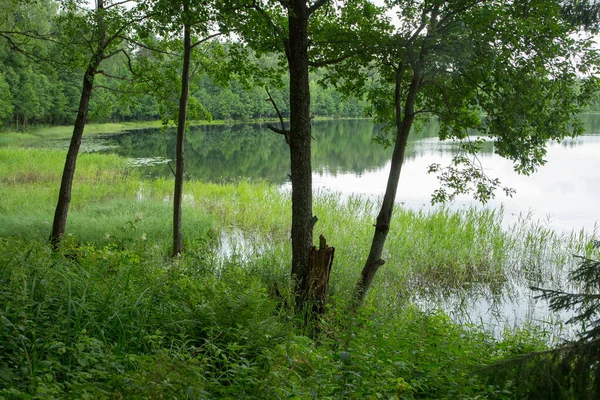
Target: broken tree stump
[(319, 268)]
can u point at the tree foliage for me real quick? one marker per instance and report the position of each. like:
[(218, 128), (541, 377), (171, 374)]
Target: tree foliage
[(485, 66), (515, 71), (41, 67)]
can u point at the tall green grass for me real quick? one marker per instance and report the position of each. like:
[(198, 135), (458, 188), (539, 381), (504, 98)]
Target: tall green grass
[(441, 251), (108, 200), (90, 322), (105, 322), (112, 316)]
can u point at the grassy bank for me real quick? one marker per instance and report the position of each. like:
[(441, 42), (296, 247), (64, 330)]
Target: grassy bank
[(40, 133), (112, 316), (35, 134)]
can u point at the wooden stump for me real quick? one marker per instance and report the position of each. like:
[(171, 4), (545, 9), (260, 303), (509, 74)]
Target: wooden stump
[(319, 268)]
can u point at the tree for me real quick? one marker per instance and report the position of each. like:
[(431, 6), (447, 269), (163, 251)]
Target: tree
[(27, 102), (101, 30), (582, 13), (183, 102), (513, 70), (297, 28), (197, 21), (25, 32), (6, 107), (295, 44), (284, 25)]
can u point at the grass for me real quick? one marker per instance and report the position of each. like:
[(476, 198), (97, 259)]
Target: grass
[(112, 316), (113, 323), (37, 133), (108, 203), (33, 136)]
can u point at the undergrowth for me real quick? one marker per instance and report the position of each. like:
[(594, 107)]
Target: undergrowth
[(104, 322), (112, 316)]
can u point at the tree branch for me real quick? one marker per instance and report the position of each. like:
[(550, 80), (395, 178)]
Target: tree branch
[(417, 32), (144, 46), (110, 89), (30, 55), (317, 4), (171, 168), (277, 130), (119, 78), (206, 39), (281, 131), (119, 3), (323, 63), (114, 53), (31, 34), (279, 33), (117, 34), (262, 12)]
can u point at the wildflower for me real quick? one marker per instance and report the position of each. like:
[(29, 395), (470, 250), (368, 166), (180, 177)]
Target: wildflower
[(143, 237), (107, 236)]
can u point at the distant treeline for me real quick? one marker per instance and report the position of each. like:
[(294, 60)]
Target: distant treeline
[(42, 86)]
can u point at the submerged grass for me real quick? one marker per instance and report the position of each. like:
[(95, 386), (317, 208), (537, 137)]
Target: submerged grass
[(112, 316)]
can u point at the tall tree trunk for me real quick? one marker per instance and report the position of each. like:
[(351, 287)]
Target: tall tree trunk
[(64, 196), (300, 146), (179, 168), (382, 227)]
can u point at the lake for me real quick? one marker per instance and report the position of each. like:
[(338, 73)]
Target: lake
[(565, 193)]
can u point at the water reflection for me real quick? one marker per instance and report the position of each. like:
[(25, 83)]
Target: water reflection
[(222, 153), (564, 191)]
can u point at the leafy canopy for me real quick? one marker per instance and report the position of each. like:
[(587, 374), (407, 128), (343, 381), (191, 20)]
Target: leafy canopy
[(517, 72)]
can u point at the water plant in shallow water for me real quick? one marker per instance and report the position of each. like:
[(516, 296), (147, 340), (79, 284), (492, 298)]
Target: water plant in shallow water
[(571, 369)]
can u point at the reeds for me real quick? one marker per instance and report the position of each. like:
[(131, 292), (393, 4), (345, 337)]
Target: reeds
[(112, 316)]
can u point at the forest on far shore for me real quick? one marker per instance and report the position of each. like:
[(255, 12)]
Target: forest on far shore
[(40, 86)]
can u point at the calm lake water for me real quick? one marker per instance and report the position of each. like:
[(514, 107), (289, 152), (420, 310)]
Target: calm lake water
[(565, 193)]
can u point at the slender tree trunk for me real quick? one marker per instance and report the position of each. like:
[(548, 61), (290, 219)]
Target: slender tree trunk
[(66, 184), (64, 196), (179, 168), (382, 227), (300, 147)]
